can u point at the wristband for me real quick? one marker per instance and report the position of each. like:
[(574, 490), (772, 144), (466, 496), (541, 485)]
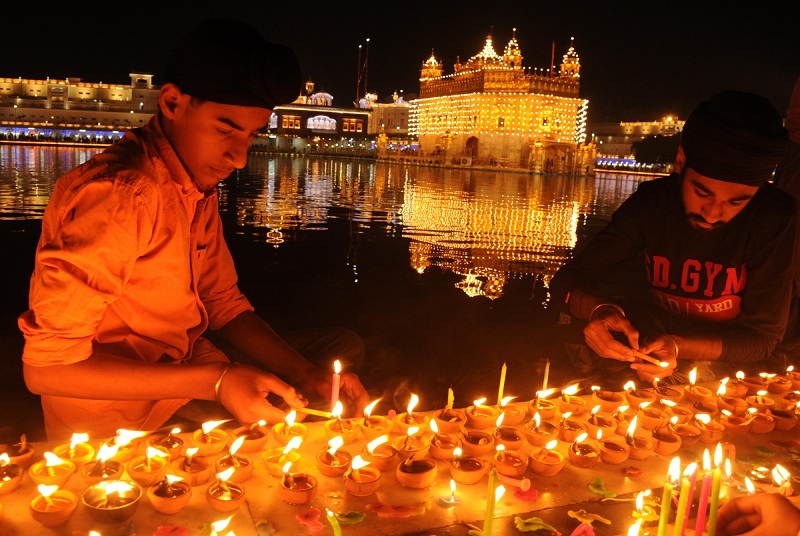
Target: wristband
[(598, 306), (219, 380), (674, 343)]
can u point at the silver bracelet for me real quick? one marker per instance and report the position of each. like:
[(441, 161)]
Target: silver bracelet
[(674, 343), (607, 304), (219, 380)]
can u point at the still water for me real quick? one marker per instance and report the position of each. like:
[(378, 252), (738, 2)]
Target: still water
[(483, 228)]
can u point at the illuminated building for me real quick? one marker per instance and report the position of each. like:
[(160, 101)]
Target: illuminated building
[(491, 110)]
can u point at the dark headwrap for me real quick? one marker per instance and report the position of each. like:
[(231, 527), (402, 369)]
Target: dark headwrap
[(734, 137), (229, 62)]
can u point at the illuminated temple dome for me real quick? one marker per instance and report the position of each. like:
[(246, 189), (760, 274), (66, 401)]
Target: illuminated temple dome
[(491, 110)]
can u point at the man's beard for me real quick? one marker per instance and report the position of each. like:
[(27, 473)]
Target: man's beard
[(695, 220)]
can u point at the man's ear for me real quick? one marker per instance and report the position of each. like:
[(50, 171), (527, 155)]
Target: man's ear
[(680, 160), (170, 99)]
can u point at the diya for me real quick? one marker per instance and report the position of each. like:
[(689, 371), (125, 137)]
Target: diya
[(223, 495), (112, 501), (53, 507), (466, 470), (150, 468), (19, 453), (254, 437), (510, 462), (52, 471), (380, 454), (194, 470), (170, 441), (449, 421), (361, 479), (416, 474), (546, 462), (331, 461), (477, 443), (481, 417), (539, 433), (585, 455), (170, 495), (210, 440)]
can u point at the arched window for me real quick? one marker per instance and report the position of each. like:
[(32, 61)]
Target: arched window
[(321, 122)]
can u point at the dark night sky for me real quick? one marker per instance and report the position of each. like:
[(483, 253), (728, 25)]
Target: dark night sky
[(640, 60)]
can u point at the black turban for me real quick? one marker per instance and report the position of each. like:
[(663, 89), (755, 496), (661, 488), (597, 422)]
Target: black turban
[(734, 137), (229, 62)]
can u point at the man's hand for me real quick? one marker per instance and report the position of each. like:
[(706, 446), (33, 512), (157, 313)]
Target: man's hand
[(598, 333), (243, 392), (353, 395), (763, 514), (663, 349)]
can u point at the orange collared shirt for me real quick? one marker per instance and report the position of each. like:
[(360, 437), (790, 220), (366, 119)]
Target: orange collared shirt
[(132, 263)]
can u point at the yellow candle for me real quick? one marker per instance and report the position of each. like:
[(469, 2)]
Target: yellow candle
[(502, 384), (673, 474), (689, 475), (490, 502), (716, 482)]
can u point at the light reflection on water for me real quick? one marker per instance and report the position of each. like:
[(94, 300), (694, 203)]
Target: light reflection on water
[(487, 227)]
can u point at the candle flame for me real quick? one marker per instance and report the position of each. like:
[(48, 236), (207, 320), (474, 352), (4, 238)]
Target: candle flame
[(790, 368), (337, 410), (337, 367), (545, 393), (690, 469), (5, 459), (622, 409), (171, 479), (358, 462), (632, 426), (565, 416), (718, 455), (703, 418), (479, 402), (452, 487), (644, 404), (551, 444), (286, 467), (761, 393), (629, 386), (115, 486), (639, 501), (175, 431), (537, 420), (210, 425), (674, 420), (722, 388), (370, 407), (500, 447), (728, 470), (45, 490), (595, 409), (674, 471), (434, 426), (693, 375), (124, 436), (222, 524), (334, 444), (571, 390), (190, 452), (153, 452), (51, 460), (375, 443), (290, 419), (599, 434), (236, 445), (706, 460), (633, 530), (498, 492), (751, 488), (107, 452), (581, 438), (412, 430), (293, 443), (668, 403), (223, 476), (499, 420), (780, 474), (457, 452), (506, 400), (596, 387), (740, 375), (76, 439), (412, 403)]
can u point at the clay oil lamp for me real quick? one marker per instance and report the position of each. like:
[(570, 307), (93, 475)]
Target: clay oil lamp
[(509, 462), (539, 433), (481, 417), (665, 440), (737, 388), (689, 433), (19, 453), (103, 467), (148, 469), (442, 445), (735, 425), (762, 423), (788, 400), (254, 437), (10, 474), (608, 401), (777, 385), (600, 421), (760, 401), (112, 501), (708, 407), (509, 437), (540, 404), (477, 443), (193, 469), (242, 465), (622, 419), (569, 429), (710, 431), (651, 416), (755, 384), (636, 396), (695, 393), (641, 446), (361, 480), (734, 405), (466, 470), (682, 412), (373, 426), (331, 461), (297, 488), (208, 439), (170, 441), (794, 377), (78, 450), (127, 443), (411, 444), (283, 432), (547, 461), (613, 451), (170, 495), (416, 473), (53, 507), (52, 471), (349, 429), (514, 413), (667, 393), (404, 421), (450, 501), (583, 454), (569, 403), (275, 458), (224, 495), (380, 454), (450, 420), (784, 419)]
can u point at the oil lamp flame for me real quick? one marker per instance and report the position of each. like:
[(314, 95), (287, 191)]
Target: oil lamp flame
[(5, 459), (498, 492), (551, 444), (506, 400), (222, 524), (334, 443), (106, 452), (780, 474), (290, 419), (124, 436), (171, 479), (236, 445), (337, 411), (703, 418), (722, 387), (572, 390), (581, 438), (412, 430), (370, 407), (545, 393), (375, 443), (45, 490), (153, 452), (595, 409), (286, 467), (632, 427), (739, 375), (479, 402), (629, 386), (457, 452), (76, 439), (434, 426), (751, 488), (223, 476), (412, 403), (293, 443), (210, 425), (634, 529), (358, 462), (537, 420), (499, 421)]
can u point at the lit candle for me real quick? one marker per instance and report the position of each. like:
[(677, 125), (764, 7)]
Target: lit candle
[(490, 503), (337, 369), (705, 492), (337, 529), (450, 398), (546, 374), (684, 502), (502, 383), (368, 411), (673, 475), (449, 501)]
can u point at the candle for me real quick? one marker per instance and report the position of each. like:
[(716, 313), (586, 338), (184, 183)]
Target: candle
[(337, 369), (546, 374), (673, 474), (450, 398), (337, 529), (705, 492), (684, 502), (449, 501), (502, 383), (490, 503)]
